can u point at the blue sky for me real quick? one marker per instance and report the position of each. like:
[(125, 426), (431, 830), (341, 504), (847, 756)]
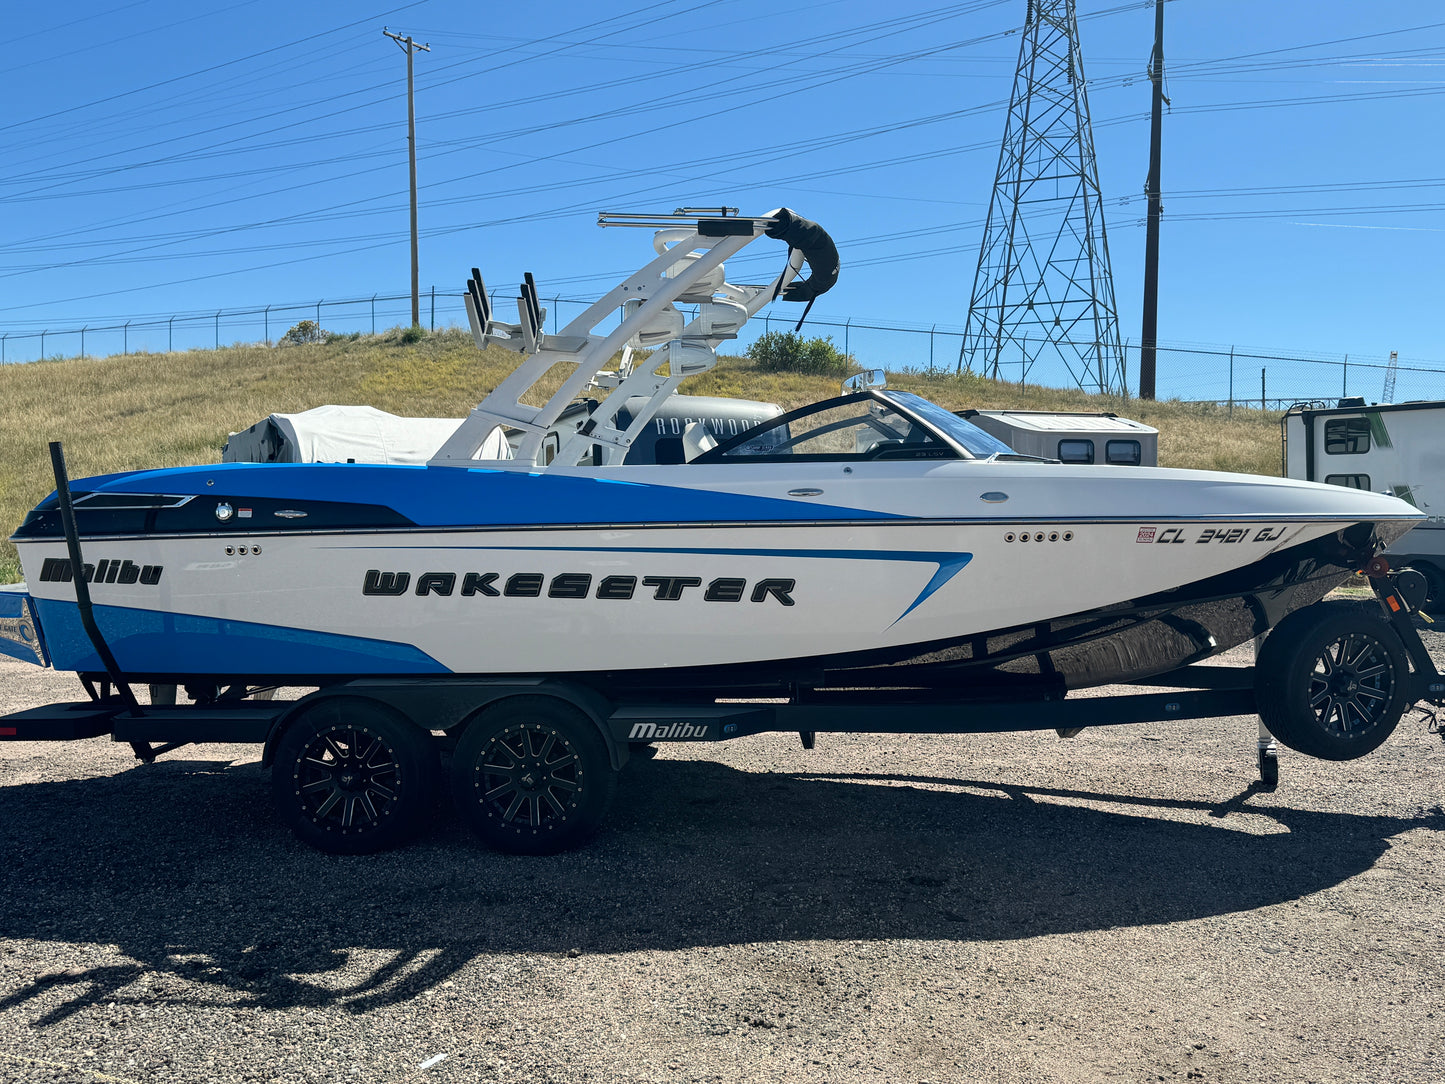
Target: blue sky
[(159, 158)]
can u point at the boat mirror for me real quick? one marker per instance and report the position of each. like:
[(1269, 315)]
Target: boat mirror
[(876, 378)]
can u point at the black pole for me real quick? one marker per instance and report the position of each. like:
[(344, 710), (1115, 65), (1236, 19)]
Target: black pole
[(1156, 209), (82, 589)]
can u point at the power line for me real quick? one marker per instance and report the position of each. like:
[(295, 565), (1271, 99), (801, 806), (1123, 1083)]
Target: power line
[(731, 167), (74, 168), (50, 58), (203, 71)]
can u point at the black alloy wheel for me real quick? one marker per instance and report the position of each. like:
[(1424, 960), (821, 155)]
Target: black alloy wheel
[(353, 777), (1331, 680), (531, 775)]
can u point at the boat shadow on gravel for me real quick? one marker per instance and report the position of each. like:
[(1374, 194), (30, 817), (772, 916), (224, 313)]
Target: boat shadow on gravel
[(183, 866)]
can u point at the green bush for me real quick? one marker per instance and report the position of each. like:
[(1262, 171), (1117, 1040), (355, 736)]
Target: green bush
[(414, 334), (789, 352), (307, 331)]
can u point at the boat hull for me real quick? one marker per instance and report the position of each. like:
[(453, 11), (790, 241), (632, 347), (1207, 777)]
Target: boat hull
[(698, 577), (727, 606)]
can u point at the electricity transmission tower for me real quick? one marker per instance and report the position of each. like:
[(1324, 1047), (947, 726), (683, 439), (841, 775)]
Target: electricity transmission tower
[(1043, 292)]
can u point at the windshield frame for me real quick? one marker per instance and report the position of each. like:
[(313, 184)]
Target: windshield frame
[(883, 396), (946, 424)]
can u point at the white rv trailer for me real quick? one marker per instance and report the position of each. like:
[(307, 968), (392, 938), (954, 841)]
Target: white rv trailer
[(1072, 436), (1396, 448)]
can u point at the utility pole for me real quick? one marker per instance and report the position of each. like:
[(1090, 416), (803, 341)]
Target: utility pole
[(409, 47), (1150, 338)]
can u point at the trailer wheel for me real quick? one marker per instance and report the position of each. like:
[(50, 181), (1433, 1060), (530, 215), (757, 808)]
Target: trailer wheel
[(531, 775), (1331, 680), (353, 777), (1434, 581)]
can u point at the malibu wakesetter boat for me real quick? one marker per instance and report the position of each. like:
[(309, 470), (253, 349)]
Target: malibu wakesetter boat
[(870, 549)]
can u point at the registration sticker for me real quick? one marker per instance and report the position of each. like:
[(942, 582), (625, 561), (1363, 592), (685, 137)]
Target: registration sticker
[(1146, 534)]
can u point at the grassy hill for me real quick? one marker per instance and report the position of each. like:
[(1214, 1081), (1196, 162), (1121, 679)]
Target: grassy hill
[(150, 410)]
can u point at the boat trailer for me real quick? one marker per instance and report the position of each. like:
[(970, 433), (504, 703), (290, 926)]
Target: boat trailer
[(1332, 680)]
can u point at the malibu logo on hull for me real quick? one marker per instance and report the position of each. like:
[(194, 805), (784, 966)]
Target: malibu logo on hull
[(57, 570)]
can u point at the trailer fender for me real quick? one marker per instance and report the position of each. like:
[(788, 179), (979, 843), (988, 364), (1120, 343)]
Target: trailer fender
[(585, 700)]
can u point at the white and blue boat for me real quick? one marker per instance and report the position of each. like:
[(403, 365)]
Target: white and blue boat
[(538, 601), (873, 540)]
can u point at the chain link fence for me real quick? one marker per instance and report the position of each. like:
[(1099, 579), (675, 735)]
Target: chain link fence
[(1196, 373)]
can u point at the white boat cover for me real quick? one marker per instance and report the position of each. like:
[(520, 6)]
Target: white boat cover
[(342, 434)]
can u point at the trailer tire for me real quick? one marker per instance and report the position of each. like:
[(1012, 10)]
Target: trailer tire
[(1331, 680), (531, 775), (1434, 584), (352, 776)]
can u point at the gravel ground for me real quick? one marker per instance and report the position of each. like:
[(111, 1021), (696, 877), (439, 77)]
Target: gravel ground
[(1122, 906)]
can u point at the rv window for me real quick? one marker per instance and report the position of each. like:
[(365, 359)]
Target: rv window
[(1351, 481), (1076, 451), (1123, 453), (1347, 436)]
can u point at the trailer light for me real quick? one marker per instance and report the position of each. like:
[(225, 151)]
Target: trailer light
[(1393, 602), (7, 732)]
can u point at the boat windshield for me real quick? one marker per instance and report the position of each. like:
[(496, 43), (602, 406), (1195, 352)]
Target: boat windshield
[(970, 436), (864, 425)]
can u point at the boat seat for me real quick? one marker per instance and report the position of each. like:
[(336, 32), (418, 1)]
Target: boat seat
[(668, 450), (696, 440)]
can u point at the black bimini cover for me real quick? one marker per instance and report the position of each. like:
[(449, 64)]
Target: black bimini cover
[(817, 248)]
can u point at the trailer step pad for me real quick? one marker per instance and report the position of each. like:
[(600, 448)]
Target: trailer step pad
[(59, 722), (245, 722)]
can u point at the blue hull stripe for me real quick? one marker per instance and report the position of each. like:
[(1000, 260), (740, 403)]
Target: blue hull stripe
[(460, 497), (146, 641)]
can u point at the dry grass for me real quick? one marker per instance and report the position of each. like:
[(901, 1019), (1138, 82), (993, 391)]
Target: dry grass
[(149, 410)]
